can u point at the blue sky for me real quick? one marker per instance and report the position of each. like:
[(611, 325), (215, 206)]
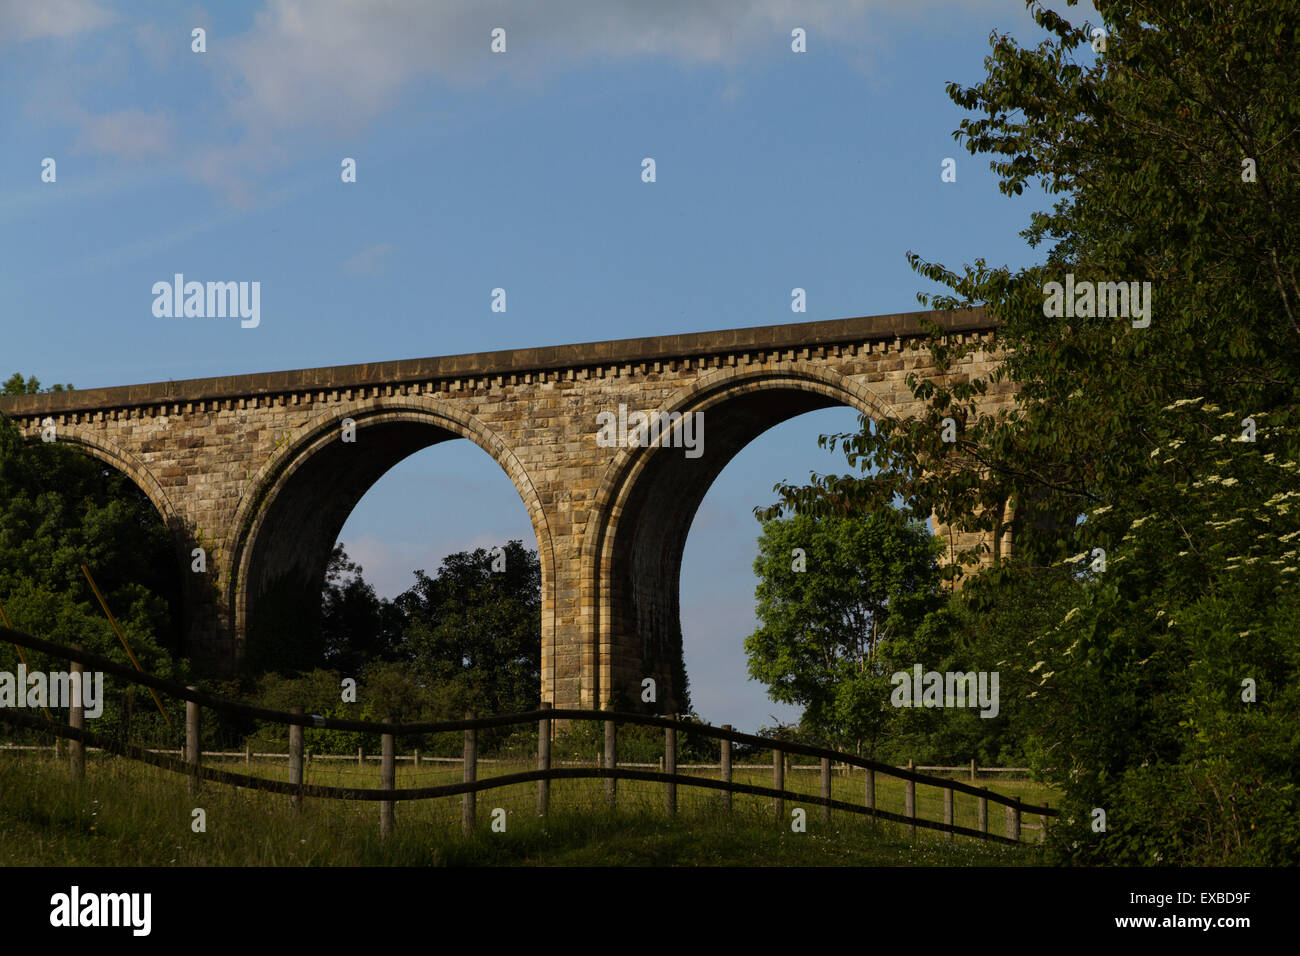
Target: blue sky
[(477, 170)]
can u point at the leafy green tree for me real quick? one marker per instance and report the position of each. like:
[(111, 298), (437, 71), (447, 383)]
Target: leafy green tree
[(60, 509), (475, 633), (357, 625), (466, 639), (384, 690), (1149, 466), (839, 599), (17, 385)]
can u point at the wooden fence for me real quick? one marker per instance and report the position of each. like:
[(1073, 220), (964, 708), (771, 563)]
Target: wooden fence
[(418, 758), (547, 770)]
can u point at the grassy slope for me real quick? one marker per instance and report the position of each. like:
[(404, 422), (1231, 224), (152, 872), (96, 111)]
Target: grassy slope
[(130, 814)]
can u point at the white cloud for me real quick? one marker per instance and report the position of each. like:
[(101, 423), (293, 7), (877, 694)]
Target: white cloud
[(389, 565), (22, 20), (340, 63), (129, 134), (226, 167), (371, 261)]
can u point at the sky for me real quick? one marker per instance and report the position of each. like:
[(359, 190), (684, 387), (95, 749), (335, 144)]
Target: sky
[(477, 170)]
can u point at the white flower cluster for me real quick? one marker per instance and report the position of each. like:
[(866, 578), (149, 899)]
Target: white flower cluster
[(1183, 401), (1222, 524)]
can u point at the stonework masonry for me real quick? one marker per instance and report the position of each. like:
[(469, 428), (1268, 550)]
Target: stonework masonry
[(255, 469)]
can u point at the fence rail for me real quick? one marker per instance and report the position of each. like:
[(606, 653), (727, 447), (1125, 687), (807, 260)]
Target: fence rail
[(419, 758), (609, 769)]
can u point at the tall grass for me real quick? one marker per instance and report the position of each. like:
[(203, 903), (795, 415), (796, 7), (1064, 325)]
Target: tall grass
[(126, 813)]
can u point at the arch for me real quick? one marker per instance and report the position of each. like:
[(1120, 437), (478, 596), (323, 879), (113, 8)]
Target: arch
[(289, 519), (127, 464), (647, 502), (183, 588)]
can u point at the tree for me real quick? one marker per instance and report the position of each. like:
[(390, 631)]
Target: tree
[(1164, 447), (466, 638), (16, 385), (475, 632), (357, 626), (60, 509), (469, 636), (838, 600)]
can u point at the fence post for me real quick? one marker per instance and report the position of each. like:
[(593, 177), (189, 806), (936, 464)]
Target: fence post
[(871, 790), (77, 718), (726, 767), (192, 741), (248, 754), (778, 783), (361, 756), (1042, 822), (295, 758), (973, 772), (611, 760), (984, 814), (387, 781), (416, 761), (947, 811), (544, 762), (670, 766), (826, 789), (1013, 821), (909, 801), (469, 801)]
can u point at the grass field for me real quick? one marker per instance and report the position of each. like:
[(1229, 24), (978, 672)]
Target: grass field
[(127, 813)]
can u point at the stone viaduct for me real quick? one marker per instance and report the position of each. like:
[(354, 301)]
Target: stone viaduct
[(255, 469)]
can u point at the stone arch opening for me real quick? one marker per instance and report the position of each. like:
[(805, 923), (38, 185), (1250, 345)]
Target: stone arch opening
[(127, 464), (289, 523), (650, 498), (165, 577)]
